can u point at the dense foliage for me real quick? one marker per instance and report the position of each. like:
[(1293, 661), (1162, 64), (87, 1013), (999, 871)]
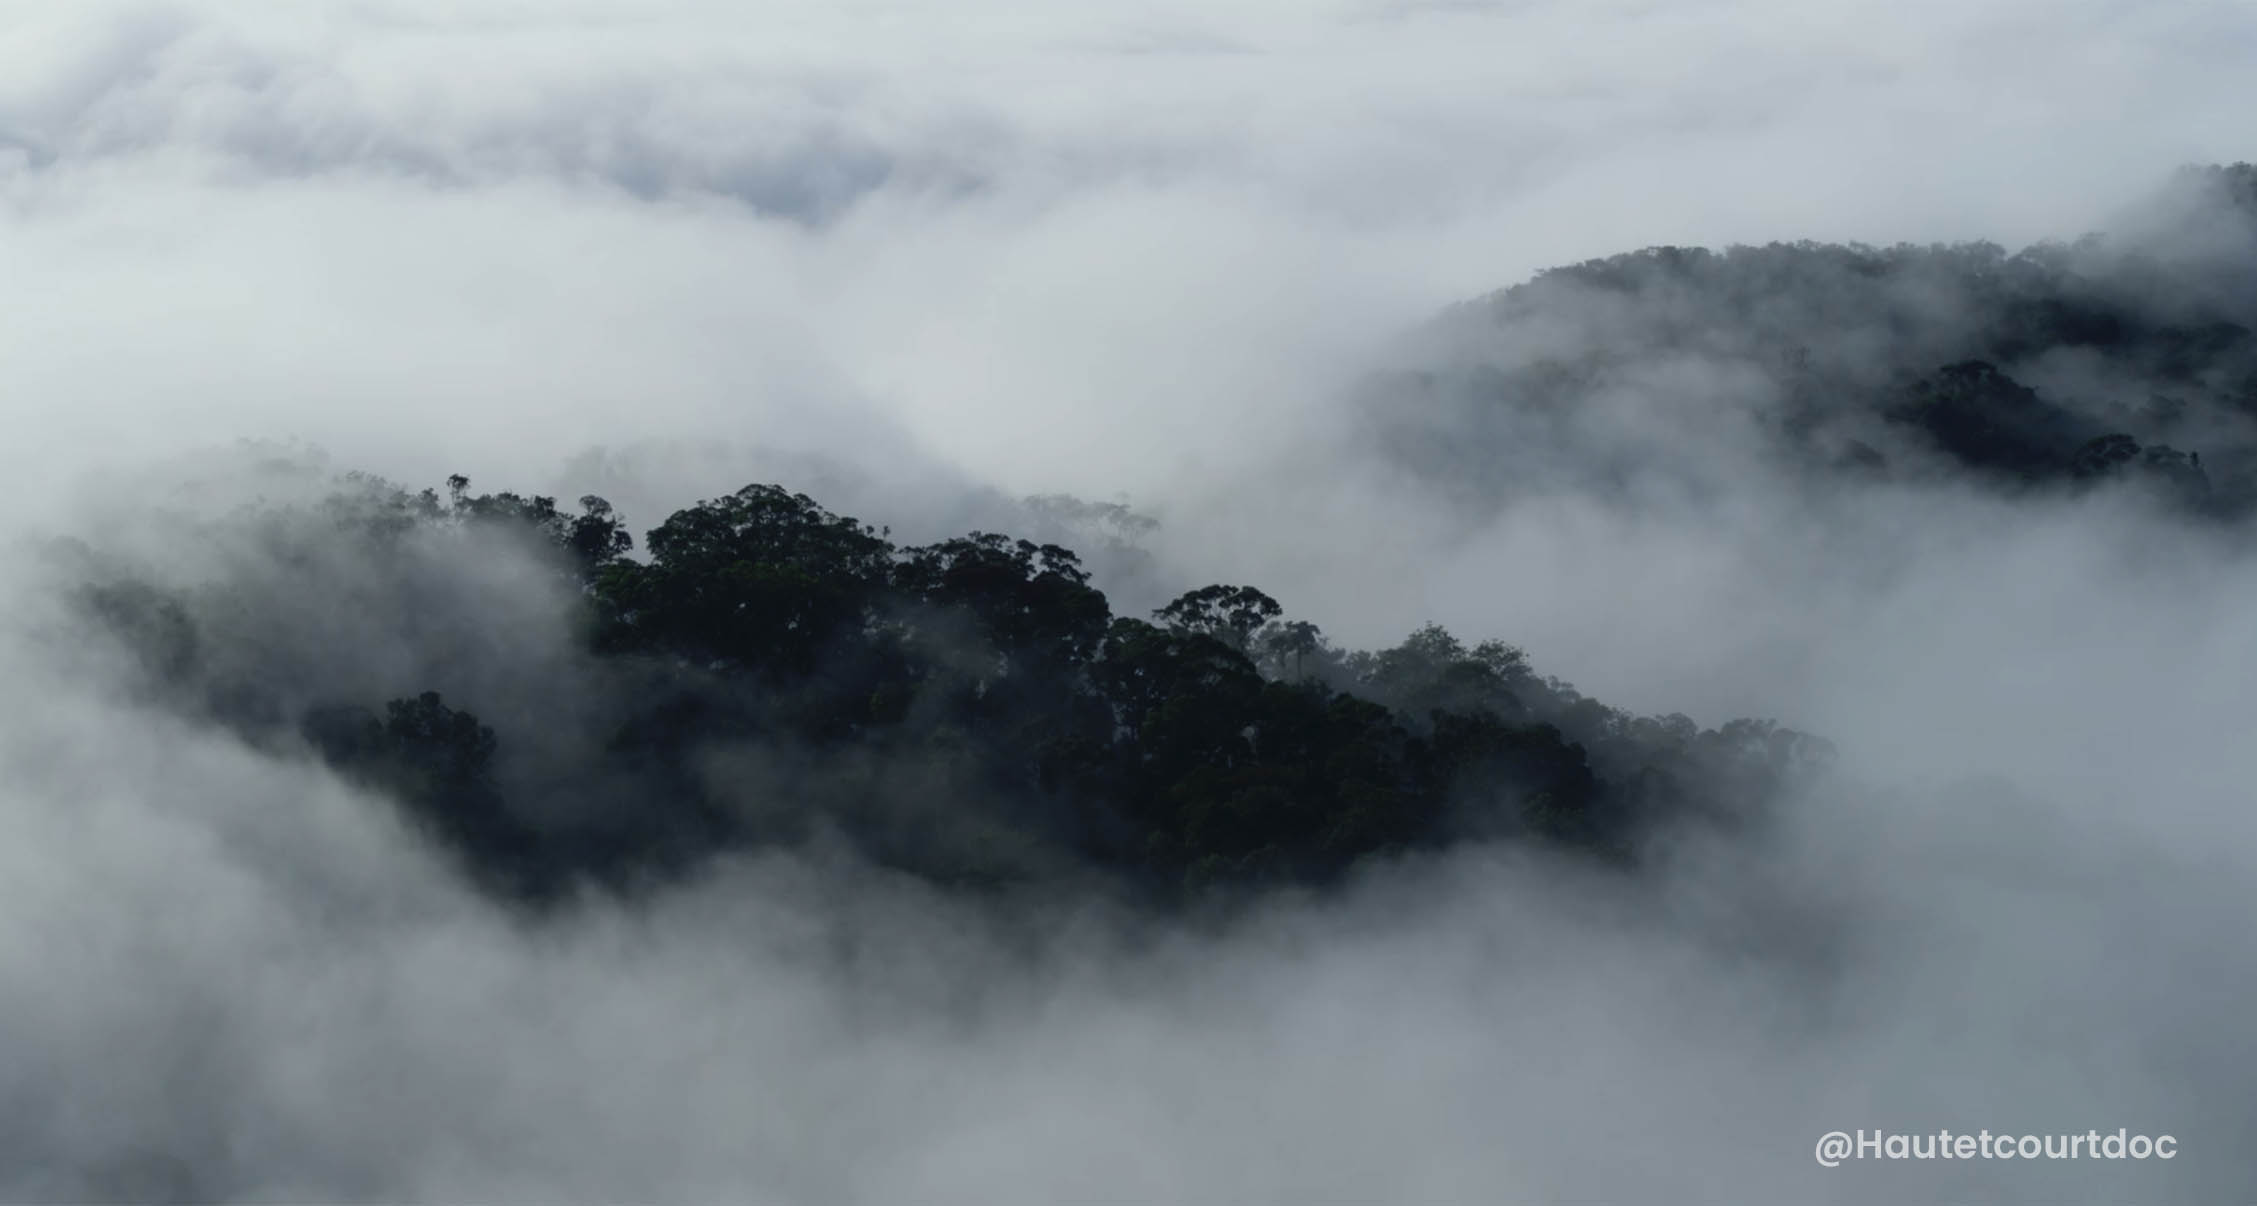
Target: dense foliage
[(970, 711), (2122, 359)]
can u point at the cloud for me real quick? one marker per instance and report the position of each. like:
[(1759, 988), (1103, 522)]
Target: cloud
[(986, 224), (953, 255)]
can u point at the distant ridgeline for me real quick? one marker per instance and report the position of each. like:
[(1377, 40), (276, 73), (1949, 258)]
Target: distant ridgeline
[(774, 675), (2126, 359)]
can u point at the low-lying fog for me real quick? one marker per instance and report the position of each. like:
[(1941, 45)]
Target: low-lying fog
[(923, 264)]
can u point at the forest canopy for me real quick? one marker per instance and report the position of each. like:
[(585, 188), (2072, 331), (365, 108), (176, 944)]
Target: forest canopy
[(971, 711), (2121, 360)]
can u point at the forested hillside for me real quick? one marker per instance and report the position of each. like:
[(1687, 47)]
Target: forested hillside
[(773, 674), (2125, 358)]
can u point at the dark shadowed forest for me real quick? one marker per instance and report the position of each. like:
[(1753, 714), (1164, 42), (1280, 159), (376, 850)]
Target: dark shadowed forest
[(972, 711), (2117, 359)]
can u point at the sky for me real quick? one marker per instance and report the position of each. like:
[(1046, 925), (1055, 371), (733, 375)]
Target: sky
[(1096, 248), (952, 255)]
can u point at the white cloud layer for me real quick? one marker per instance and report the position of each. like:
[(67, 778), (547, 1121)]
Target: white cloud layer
[(1092, 247), (1140, 248)]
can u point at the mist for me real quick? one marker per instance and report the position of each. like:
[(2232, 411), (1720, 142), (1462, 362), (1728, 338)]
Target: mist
[(929, 267)]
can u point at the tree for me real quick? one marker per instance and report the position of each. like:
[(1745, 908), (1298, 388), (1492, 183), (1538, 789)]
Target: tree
[(591, 540), (1432, 670), (763, 578), (1030, 601), (436, 762), (1230, 614), (1526, 776), (2103, 455), (1145, 667), (1991, 422), (771, 526), (1288, 646), (597, 536)]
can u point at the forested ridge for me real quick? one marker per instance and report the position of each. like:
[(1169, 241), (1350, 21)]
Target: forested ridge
[(772, 674), (2119, 359)]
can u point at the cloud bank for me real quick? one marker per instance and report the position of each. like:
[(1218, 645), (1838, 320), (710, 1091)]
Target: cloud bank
[(952, 258)]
